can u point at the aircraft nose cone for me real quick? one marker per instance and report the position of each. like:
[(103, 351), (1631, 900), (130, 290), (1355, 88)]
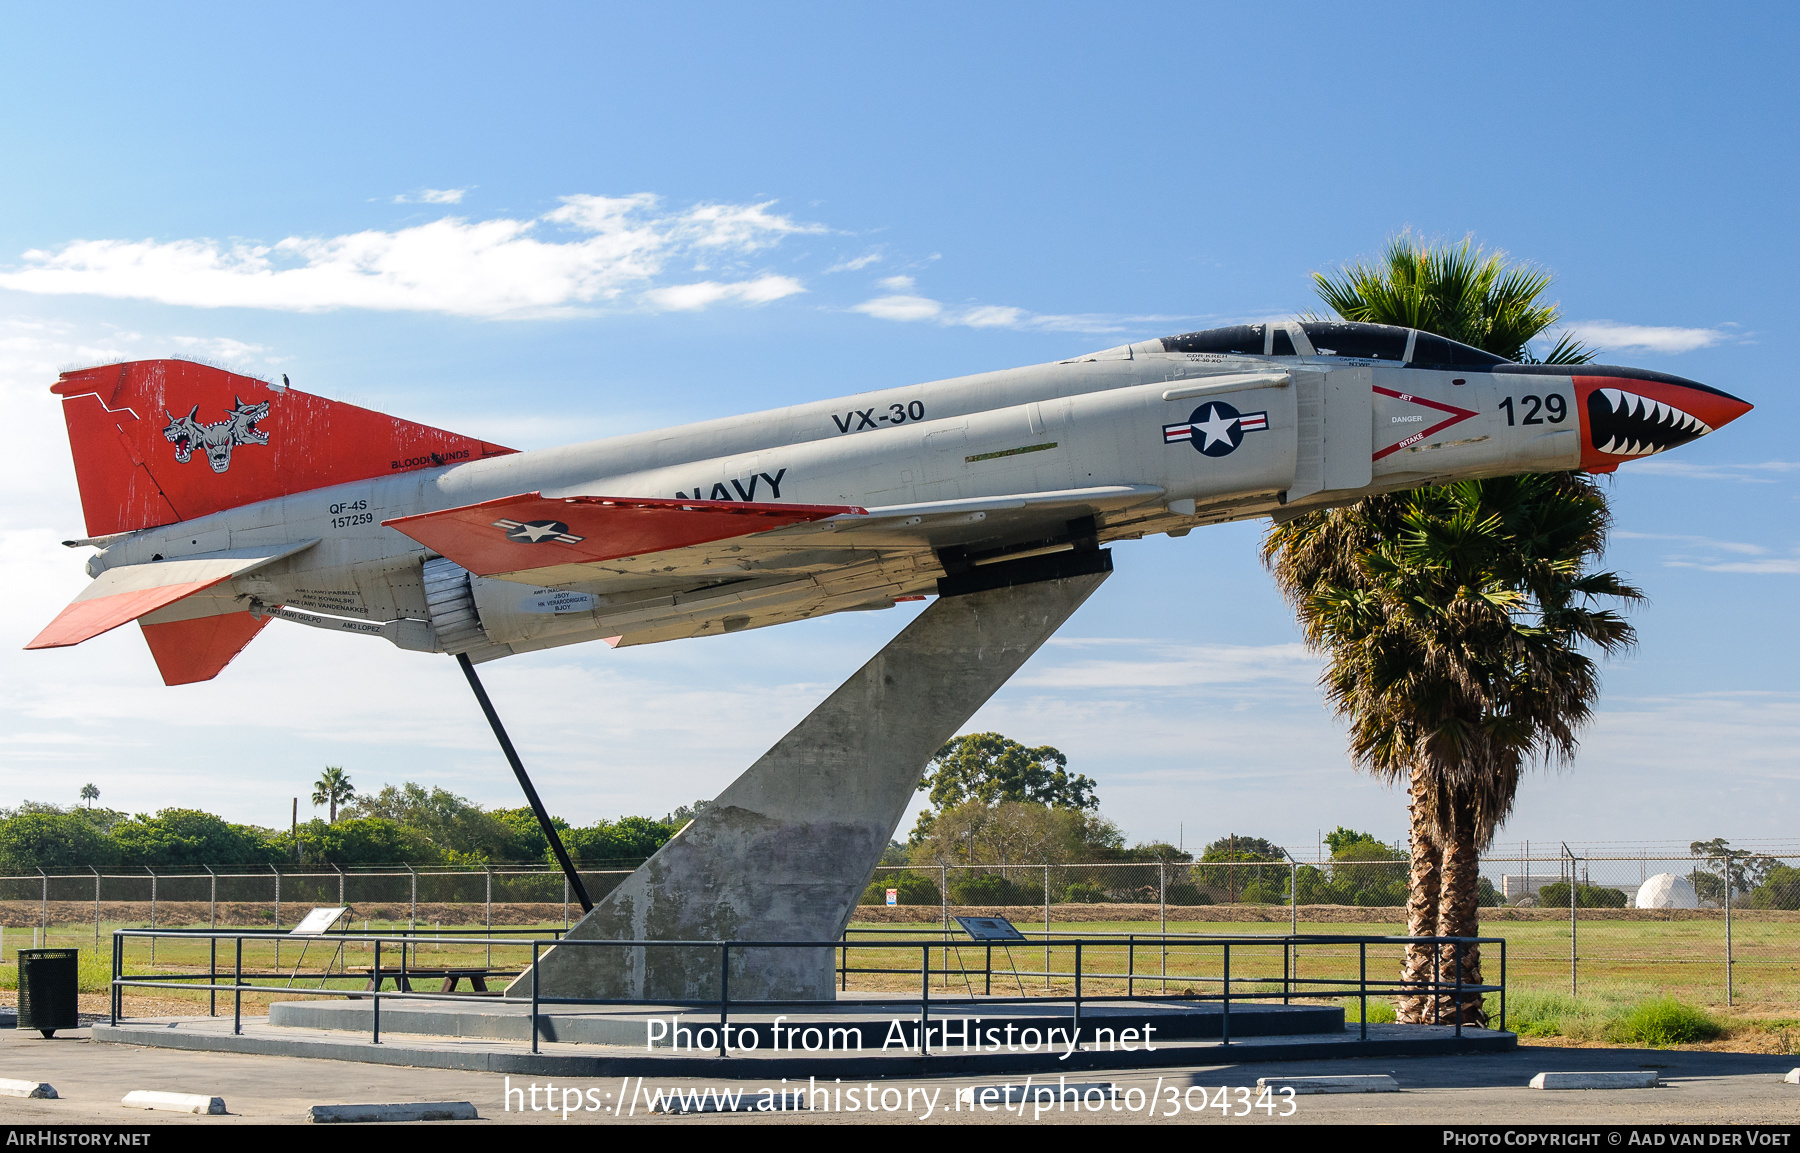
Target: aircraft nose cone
[(1631, 413)]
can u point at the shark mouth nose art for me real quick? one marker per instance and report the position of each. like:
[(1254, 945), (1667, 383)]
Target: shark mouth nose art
[(1623, 423), (1632, 413)]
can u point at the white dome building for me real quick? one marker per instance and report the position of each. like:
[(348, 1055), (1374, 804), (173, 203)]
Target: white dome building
[(1667, 891)]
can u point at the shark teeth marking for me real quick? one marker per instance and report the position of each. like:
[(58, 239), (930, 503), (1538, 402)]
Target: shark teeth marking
[(1622, 423)]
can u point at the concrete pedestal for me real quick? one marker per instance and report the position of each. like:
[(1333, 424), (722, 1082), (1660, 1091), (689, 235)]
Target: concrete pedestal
[(786, 850)]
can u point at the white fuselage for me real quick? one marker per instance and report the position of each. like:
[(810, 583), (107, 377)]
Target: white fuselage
[(1093, 421)]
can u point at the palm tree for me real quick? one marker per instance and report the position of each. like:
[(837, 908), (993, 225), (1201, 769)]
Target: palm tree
[(332, 788), (1451, 618), (1455, 291), (90, 793)]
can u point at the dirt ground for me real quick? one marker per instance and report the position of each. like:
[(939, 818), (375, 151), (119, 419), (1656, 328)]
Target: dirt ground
[(26, 914)]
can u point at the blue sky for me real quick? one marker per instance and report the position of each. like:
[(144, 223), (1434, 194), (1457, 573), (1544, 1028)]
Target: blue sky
[(556, 222)]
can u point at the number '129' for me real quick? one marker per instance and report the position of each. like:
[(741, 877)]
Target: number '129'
[(1553, 405)]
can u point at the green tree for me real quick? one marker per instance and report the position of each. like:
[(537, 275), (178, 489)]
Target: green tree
[(101, 819), (1237, 847), (90, 793), (1369, 850), (1341, 838), (1747, 870), (192, 837), (1223, 862), (1452, 618), (685, 813), (365, 841), (626, 839), (1016, 833), (1154, 851), (33, 841), (1780, 889), (332, 788), (989, 767), (526, 837), (455, 824), (104, 820), (1555, 895)]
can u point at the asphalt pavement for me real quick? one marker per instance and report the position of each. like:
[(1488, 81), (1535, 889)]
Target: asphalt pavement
[(1476, 1089)]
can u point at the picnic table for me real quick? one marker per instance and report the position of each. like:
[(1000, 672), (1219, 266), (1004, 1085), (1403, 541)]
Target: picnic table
[(403, 978)]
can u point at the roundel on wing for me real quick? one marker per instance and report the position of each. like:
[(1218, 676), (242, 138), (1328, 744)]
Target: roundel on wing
[(537, 531)]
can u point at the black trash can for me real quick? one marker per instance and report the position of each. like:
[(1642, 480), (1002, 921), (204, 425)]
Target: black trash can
[(48, 982)]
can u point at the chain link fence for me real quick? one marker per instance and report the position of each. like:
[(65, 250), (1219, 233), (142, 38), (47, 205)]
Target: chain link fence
[(68, 908), (1709, 929)]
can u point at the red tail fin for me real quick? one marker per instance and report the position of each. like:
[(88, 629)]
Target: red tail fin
[(157, 441)]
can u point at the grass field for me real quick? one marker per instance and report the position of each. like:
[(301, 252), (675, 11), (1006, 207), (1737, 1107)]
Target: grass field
[(1620, 960)]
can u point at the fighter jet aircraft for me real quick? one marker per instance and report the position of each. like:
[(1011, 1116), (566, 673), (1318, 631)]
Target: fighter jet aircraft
[(219, 502)]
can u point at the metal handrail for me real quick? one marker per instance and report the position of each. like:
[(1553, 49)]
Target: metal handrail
[(724, 1002)]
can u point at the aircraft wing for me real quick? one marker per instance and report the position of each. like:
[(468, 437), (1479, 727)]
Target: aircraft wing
[(547, 541), (661, 569), (128, 592)]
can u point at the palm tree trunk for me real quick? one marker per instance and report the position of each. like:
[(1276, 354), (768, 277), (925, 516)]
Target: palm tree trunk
[(1459, 915), (1422, 900)]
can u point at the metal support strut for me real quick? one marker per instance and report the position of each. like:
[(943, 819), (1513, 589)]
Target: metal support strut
[(518, 768)]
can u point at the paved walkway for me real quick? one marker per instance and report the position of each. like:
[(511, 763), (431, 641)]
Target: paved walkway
[(1700, 1087)]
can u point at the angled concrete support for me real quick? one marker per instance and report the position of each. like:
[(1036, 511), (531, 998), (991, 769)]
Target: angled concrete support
[(786, 850)]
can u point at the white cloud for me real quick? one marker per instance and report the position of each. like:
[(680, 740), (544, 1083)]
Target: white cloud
[(621, 249), (687, 297), (224, 348), (902, 304), (994, 316), (1778, 566), (1156, 667), (1610, 334), (433, 196), (742, 227), (900, 308), (1766, 472), (1710, 542), (36, 473), (857, 264), (1759, 559)]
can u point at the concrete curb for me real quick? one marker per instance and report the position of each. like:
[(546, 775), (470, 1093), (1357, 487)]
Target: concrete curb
[(1302, 1086), (42, 1090), (414, 1111), (174, 1102), (1792, 1078), (1637, 1079)]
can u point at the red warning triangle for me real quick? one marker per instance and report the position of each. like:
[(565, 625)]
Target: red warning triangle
[(1414, 419)]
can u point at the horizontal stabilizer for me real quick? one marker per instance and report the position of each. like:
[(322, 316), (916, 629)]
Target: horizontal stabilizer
[(529, 532), (131, 591)]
